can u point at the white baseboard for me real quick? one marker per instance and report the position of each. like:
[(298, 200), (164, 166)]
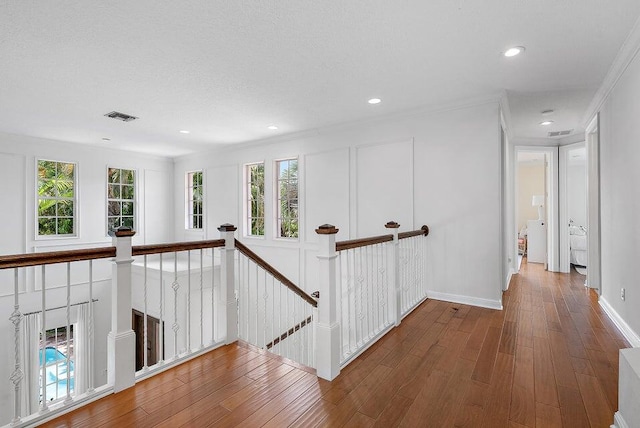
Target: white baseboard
[(618, 421), (624, 328), (508, 280), (465, 300)]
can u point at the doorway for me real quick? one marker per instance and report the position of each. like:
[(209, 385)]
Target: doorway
[(153, 339), (536, 205), (573, 208)]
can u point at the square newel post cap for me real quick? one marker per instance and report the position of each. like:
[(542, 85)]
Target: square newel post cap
[(392, 225), (425, 229), (227, 227), (122, 232), (327, 229)]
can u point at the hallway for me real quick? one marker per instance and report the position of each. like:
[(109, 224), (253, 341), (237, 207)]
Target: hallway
[(550, 358)]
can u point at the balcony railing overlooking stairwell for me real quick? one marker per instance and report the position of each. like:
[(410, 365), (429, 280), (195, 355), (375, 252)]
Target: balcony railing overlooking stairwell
[(367, 286), (196, 296), (274, 314), (182, 286)]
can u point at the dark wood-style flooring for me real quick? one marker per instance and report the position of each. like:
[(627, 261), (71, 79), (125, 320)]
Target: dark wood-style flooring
[(549, 359)]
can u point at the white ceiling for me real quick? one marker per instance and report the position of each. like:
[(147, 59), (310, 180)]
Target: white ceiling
[(225, 70)]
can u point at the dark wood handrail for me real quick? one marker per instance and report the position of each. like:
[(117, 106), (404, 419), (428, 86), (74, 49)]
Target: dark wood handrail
[(362, 242), (424, 230), (38, 259), (141, 250), (277, 275)]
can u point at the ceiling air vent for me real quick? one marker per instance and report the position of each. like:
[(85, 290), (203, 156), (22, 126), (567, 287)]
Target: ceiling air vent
[(120, 116), (560, 133)]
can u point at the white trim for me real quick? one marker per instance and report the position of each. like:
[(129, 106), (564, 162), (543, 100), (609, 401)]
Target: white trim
[(563, 230), (508, 280), (625, 329), (553, 244), (465, 300), (78, 402), (618, 421), (626, 55)]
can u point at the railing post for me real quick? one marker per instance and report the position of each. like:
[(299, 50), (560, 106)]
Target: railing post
[(122, 339), (328, 327), (229, 306), (395, 287)]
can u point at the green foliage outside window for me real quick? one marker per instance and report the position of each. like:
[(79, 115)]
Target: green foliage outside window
[(56, 198), (255, 202), (195, 200), (120, 198), (287, 198)]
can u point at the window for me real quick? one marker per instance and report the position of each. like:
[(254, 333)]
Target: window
[(57, 347), (255, 199), (287, 185), (120, 198), (194, 200), (56, 198)]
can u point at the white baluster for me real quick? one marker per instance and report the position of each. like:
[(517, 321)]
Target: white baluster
[(90, 388), (43, 334), (344, 256), (264, 314), (17, 375), (376, 284), (213, 304), (188, 301), (176, 286), (273, 312), (68, 399), (202, 301), (145, 366), (161, 320), (257, 315)]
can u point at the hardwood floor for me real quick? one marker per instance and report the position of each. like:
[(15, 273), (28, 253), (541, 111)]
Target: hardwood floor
[(550, 358)]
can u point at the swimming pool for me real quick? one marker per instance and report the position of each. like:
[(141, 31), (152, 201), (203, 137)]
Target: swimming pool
[(56, 373)]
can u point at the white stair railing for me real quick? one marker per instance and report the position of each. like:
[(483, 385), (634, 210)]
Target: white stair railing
[(198, 329), (57, 291), (273, 313), (367, 286)]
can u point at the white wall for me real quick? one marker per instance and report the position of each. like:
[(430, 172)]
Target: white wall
[(18, 156), (440, 169), (530, 183), (620, 195)]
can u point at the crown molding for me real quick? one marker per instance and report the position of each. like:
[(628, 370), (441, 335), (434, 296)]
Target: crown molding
[(627, 53), (324, 130)]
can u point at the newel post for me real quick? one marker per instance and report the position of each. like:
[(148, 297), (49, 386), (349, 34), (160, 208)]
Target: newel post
[(229, 309), (328, 328), (395, 302), (122, 340)]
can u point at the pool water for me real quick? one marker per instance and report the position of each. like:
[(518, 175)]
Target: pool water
[(56, 380)]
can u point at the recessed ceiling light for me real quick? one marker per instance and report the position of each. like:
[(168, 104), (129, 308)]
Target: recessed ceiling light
[(374, 101), (272, 127), (516, 50), (184, 131), (547, 112), (546, 123)]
